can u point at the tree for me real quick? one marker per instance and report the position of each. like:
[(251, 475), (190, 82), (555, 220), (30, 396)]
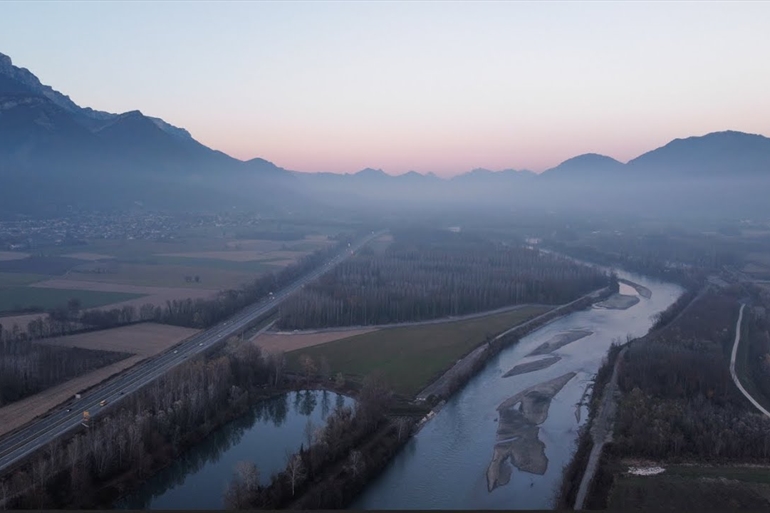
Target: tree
[(73, 306), (355, 463), (308, 366), (375, 397), (402, 425), (242, 491), (295, 469), (324, 368)]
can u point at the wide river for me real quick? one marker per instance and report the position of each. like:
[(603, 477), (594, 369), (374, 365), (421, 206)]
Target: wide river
[(445, 466), (263, 436), (449, 463)]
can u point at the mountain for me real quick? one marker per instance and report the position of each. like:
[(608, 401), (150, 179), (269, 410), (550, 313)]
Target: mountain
[(486, 176), (55, 153), (91, 118), (728, 154), (586, 166)]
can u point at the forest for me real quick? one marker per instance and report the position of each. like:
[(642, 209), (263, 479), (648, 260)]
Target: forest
[(428, 274), (151, 428), (678, 380), (26, 368)]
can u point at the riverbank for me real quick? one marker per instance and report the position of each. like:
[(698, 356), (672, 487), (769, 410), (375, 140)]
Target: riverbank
[(453, 379), (581, 477)]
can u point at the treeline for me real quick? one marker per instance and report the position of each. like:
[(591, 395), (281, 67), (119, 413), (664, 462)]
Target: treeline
[(26, 368), (678, 382), (150, 429), (335, 462), (647, 262), (428, 274)]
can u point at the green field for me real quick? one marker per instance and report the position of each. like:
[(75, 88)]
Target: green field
[(20, 279), (168, 276), (693, 488), (411, 357), (251, 266), (16, 298)]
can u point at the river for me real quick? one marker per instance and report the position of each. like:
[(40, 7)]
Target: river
[(471, 446), (272, 428)]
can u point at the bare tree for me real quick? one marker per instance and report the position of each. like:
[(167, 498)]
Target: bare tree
[(308, 366), (295, 469), (40, 471), (402, 425), (73, 451), (355, 463), (3, 493), (242, 490)]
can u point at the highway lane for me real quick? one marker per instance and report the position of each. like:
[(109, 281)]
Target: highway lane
[(19, 444)]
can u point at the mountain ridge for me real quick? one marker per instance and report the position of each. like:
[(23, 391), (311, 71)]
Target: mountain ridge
[(46, 138)]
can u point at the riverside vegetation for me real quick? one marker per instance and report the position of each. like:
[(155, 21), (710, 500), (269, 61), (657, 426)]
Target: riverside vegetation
[(677, 379)]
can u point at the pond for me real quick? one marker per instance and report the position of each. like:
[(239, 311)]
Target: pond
[(271, 430)]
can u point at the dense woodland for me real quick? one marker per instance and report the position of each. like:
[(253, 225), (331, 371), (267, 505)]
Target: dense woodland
[(428, 274), (651, 260), (678, 381), (150, 429), (26, 369)]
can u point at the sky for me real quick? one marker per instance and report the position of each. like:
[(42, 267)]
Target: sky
[(439, 87)]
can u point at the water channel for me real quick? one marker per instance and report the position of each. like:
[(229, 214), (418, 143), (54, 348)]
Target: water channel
[(263, 436), (488, 448), (502, 442)]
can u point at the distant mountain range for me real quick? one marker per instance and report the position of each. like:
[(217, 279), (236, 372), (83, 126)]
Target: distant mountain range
[(55, 153)]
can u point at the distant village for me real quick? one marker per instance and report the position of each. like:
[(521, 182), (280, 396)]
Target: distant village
[(77, 228)]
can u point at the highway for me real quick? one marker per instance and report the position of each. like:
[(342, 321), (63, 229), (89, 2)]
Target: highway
[(19, 444)]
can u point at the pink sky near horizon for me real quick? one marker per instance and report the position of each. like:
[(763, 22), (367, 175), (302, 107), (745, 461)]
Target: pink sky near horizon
[(442, 87)]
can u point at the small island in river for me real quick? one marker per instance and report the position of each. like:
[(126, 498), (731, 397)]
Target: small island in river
[(537, 365), (517, 431), (560, 340)]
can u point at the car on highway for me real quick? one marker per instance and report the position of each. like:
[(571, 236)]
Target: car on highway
[(103, 402)]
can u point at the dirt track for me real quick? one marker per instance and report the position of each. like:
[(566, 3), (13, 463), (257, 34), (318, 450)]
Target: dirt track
[(277, 342)]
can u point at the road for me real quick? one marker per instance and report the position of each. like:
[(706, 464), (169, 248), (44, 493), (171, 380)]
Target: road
[(601, 431), (19, 444), (732, 364)]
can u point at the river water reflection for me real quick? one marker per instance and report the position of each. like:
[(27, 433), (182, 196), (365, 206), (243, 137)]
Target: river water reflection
[(463, 452), (198, 479)]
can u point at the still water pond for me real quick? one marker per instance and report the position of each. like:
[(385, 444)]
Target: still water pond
[(271, 429), (490, 448)]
